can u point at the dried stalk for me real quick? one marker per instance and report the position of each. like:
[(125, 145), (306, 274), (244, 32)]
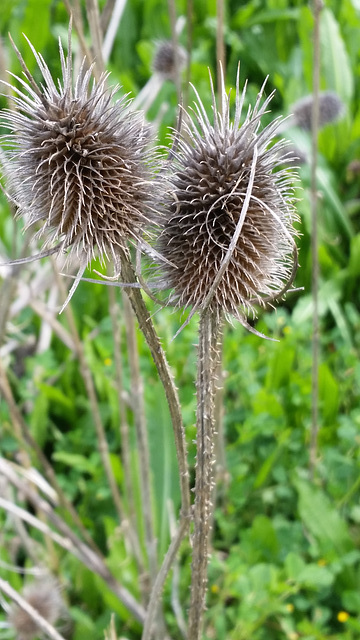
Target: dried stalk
[(76, 17), (220, 46), (26, 440), (189, 48), (161, 577), (158, 355), (208, 357), (112, 27), (95, 411), (317, 7), (137, 397), (93, 16), (66, 537), (174, 37), (124, 432), (43, 624)]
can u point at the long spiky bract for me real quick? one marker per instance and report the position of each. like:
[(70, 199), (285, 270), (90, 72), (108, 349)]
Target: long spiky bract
[(208, 184), (78, 163)]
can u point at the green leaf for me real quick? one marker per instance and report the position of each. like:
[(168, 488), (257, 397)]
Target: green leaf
[(322, 520), (335, 63), (39, 419), (77, 461), (328, 393), (315, 577)]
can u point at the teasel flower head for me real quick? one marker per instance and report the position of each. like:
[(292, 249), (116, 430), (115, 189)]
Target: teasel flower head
[(78, 164), (165, 62), (45, 597), (229, 211), (331, 108)]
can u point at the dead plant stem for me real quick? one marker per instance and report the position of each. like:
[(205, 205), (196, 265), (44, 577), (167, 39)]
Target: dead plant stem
[(137, 397), (124, 431), (205, 424), (317, 7), (41, 622), (165, 375)]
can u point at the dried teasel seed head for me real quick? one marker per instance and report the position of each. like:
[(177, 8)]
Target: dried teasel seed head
[(44, 595), (217, 166), (78, 164), (331, 109), (164, 62)]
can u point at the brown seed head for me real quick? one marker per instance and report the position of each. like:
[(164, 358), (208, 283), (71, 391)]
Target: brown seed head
[(78, 164), (331, 108), (208, 183), (45, 597), (164, 62)]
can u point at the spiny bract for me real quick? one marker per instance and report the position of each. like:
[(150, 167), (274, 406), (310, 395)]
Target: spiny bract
[(78, 165), (208, 183)]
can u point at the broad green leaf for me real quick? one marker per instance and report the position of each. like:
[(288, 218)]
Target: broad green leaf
[(335, 64), (315, 577), (77, 461), (322, 520)]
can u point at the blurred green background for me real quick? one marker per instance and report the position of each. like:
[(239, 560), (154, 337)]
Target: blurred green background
[(286, 547)]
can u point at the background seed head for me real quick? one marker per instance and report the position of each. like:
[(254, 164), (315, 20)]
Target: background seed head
[(207, 187), (331, 109), (78, 164), (44, 595), (164, 62)]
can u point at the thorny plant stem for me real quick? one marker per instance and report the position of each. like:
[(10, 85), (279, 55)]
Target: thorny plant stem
[(161, 577), (205, 424), (137, 403), (124, 430), (67, 538), (317, 7), (43, 624), (165, 375)]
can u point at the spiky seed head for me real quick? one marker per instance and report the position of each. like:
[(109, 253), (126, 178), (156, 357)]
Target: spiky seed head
[(164, 62), (78, 163), (208, 184), (44, 595), (331, 109)]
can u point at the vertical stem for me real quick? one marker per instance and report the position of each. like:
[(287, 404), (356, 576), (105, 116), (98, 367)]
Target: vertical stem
[(156, 350), (137, 397), (172, 14), (220, 45), (124, 431), (95, 410), (189, 47), (93, 16), (317, 7), (205, 421)]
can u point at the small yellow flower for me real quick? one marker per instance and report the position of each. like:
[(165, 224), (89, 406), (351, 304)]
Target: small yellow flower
[(214, 588), (343, 616), (290, 607), (321, 562), (287, 331), (107, 362), (293, 635)]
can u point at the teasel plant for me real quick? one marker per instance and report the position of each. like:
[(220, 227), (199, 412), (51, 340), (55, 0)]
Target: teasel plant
[(229, 242), (223, 218), (79, 168)]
